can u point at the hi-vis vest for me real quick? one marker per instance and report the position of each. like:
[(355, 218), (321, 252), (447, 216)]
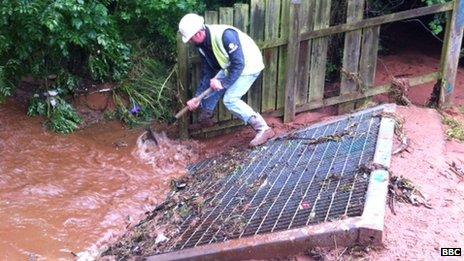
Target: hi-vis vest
[(251, 53)]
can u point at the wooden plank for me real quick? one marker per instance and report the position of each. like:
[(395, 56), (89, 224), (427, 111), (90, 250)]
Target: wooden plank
[(328, 102), (307, 23), (368, 62), (413, 13), (292, 61), (350, 78), (272, 22), (385, 19), (370, 92), (319, 52), (370, 22), (196, 78), (257, 18), (450, 54), (226, 16), (212, 17), (241, 17), (241, 21), (182, 84), (285, 6)]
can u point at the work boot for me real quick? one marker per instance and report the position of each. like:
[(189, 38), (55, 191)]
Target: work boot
[(205, 120), (263, 131)]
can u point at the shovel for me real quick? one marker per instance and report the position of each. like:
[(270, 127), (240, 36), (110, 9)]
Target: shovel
[(151, 135)]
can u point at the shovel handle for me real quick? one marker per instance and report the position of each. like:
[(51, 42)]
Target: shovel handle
[(201, 96)]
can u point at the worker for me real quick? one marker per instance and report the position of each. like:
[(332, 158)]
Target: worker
[(231, 62)]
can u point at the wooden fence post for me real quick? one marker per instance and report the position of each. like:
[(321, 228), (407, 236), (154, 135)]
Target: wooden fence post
[(182, 84), (293, 51), (450, 54), (351, 80)]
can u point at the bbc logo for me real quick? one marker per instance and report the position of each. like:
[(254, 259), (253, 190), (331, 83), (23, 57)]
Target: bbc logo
[(450, 251)]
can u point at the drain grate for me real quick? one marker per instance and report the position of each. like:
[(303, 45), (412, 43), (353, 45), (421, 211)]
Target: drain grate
[(306, 178)]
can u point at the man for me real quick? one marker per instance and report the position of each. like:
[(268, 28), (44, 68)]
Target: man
[(231, 62)]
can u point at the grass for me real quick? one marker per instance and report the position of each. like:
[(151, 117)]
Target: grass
[(147, 94), (455, 129)]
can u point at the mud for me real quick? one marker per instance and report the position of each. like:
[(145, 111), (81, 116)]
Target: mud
[(62, 195)]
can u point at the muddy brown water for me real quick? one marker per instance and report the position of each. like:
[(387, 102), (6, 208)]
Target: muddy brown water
[(65, 194)]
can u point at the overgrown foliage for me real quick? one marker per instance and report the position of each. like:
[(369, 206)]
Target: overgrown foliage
[(62, 117), (148, 91), (61, 42)]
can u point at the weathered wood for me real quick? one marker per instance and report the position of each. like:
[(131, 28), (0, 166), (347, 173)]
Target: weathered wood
[(270, 56), (319, 52), (195, 76), (350, 78), (370, 92), (241, 17), (182, 84), (257, 18), (370, 22), (241, 21), (450, 54), (212, 17), (413, 13), (292, 61), (368, 62), (226, 16), (282, 54), (307, 23), (416, 81)]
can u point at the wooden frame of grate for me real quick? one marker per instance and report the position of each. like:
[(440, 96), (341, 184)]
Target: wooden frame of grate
[(364, 229)]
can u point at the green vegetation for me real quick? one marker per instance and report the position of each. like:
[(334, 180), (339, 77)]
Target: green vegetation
[(148, 91), (455, 130), (69, 44), (62, 118)]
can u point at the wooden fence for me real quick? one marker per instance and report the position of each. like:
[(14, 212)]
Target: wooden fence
[(294, 38)]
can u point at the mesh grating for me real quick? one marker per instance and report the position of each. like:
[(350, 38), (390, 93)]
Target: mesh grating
[(306, 178)]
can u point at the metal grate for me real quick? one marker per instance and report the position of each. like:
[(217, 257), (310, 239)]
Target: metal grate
[(306, 178)]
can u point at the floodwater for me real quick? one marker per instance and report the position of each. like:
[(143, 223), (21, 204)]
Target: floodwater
[(61, 195)]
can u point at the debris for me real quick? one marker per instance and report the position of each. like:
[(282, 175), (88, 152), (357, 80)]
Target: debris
[(349, 131), (402, 190), (370, 167), (435, 96), (399, 91), (160, 238), (399, 131), (189, 200), (304, 205), (177, 185), (120, 144), (458, 170), (316, 253), (361, 87)]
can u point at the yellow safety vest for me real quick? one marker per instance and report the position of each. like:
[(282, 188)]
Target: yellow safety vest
[(251, 53)]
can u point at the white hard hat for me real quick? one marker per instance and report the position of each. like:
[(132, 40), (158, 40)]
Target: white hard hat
[(189, 25)]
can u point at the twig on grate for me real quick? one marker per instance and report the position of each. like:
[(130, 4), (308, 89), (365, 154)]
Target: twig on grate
[(349, 131), (399, 91), (402, 190), (399, 131)]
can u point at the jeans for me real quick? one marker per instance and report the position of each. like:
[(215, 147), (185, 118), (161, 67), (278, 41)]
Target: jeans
[(232, 97)]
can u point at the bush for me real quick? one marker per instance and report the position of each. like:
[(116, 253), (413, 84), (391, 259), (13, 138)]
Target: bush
[(148, 91), (61, 116), (71, 40)]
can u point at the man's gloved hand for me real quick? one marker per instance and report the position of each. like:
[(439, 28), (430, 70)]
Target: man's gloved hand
[(215, 84), (193, 104)]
